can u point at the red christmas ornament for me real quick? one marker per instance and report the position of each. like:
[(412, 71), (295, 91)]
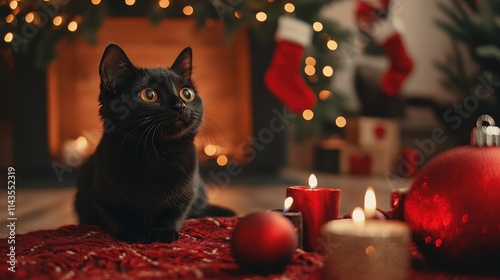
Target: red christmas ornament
[(263, 242), (453, 206)]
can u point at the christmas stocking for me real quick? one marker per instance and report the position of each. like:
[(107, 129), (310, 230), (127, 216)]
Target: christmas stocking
[(371, 16), (282, 77)]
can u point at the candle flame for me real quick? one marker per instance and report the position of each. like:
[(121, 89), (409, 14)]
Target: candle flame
[(370, 203), (287, 204), (313, 182), (358, 216)]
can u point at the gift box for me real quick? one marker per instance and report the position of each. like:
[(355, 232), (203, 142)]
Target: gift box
[(377, 138), (326, 160), (327, 155), (357, 161), (368, 132)]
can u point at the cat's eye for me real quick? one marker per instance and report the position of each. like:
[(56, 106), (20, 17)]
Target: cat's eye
[(148, 95), (186, 94)]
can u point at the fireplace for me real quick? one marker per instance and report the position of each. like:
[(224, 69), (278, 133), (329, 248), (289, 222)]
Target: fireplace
[(221, 72)]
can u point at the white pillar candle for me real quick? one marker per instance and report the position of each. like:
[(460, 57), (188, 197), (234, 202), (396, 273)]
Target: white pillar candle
[(371, 249)]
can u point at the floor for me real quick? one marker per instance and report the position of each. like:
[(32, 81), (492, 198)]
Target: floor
[(50, 207)]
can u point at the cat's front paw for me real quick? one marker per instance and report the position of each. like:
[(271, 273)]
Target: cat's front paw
[(163, 235), (133, 237)]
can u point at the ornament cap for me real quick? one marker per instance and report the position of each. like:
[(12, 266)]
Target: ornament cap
[(488, 135)]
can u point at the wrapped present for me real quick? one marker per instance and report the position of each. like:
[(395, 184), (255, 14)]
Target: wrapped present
[(368, 132), (327, 155), (377, 137)]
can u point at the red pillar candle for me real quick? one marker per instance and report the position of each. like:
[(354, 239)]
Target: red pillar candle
[(318, 206)]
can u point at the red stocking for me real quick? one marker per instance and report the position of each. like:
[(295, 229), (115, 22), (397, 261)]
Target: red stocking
[(282, 77), (384, 34)]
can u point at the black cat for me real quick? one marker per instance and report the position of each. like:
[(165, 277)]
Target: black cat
[(142, 182)]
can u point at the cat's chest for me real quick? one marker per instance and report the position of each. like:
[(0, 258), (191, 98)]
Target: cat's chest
[(157, 174), (146, 188), (168, 171)]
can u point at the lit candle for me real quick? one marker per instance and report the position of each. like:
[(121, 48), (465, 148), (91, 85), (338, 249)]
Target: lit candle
[(366, 249), (287, 204), (371, 211), (294, 216), (318, 206), (370, 203)]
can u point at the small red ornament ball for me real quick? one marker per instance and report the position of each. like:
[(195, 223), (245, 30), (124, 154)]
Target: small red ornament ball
[(263, 242), (453, 208)]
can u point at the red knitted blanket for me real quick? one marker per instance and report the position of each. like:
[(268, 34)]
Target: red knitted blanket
[(85, 252), (203, 251)]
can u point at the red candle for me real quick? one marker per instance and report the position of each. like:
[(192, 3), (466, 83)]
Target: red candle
[(398, 197), (318, 206)]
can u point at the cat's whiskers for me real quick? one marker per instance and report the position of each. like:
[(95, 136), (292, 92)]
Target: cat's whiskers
[(129, 135), (153, 138), (146, 131), (210, 129), (148, 117)]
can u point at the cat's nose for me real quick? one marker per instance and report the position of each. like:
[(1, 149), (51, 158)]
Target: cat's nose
[(180, 107)]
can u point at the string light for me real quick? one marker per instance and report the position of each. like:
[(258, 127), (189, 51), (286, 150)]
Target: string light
[(163, 3), (96, 2), (332, 45), (261, 16), (13, 5), (210, 150), (72, 26), (308, 115), (82, 142), (29, 17), (237, 14), (10, 18), (222, 160), (325, 95), (341, 121), (328, 71), (289, 8), (130, 2), (310, 61), (317, 26), (188, 10), (309, 70), (8, 37), (57, 20)]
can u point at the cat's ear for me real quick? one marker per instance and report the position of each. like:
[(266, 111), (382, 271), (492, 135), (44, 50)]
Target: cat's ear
[(115, 67), (183, 64)]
